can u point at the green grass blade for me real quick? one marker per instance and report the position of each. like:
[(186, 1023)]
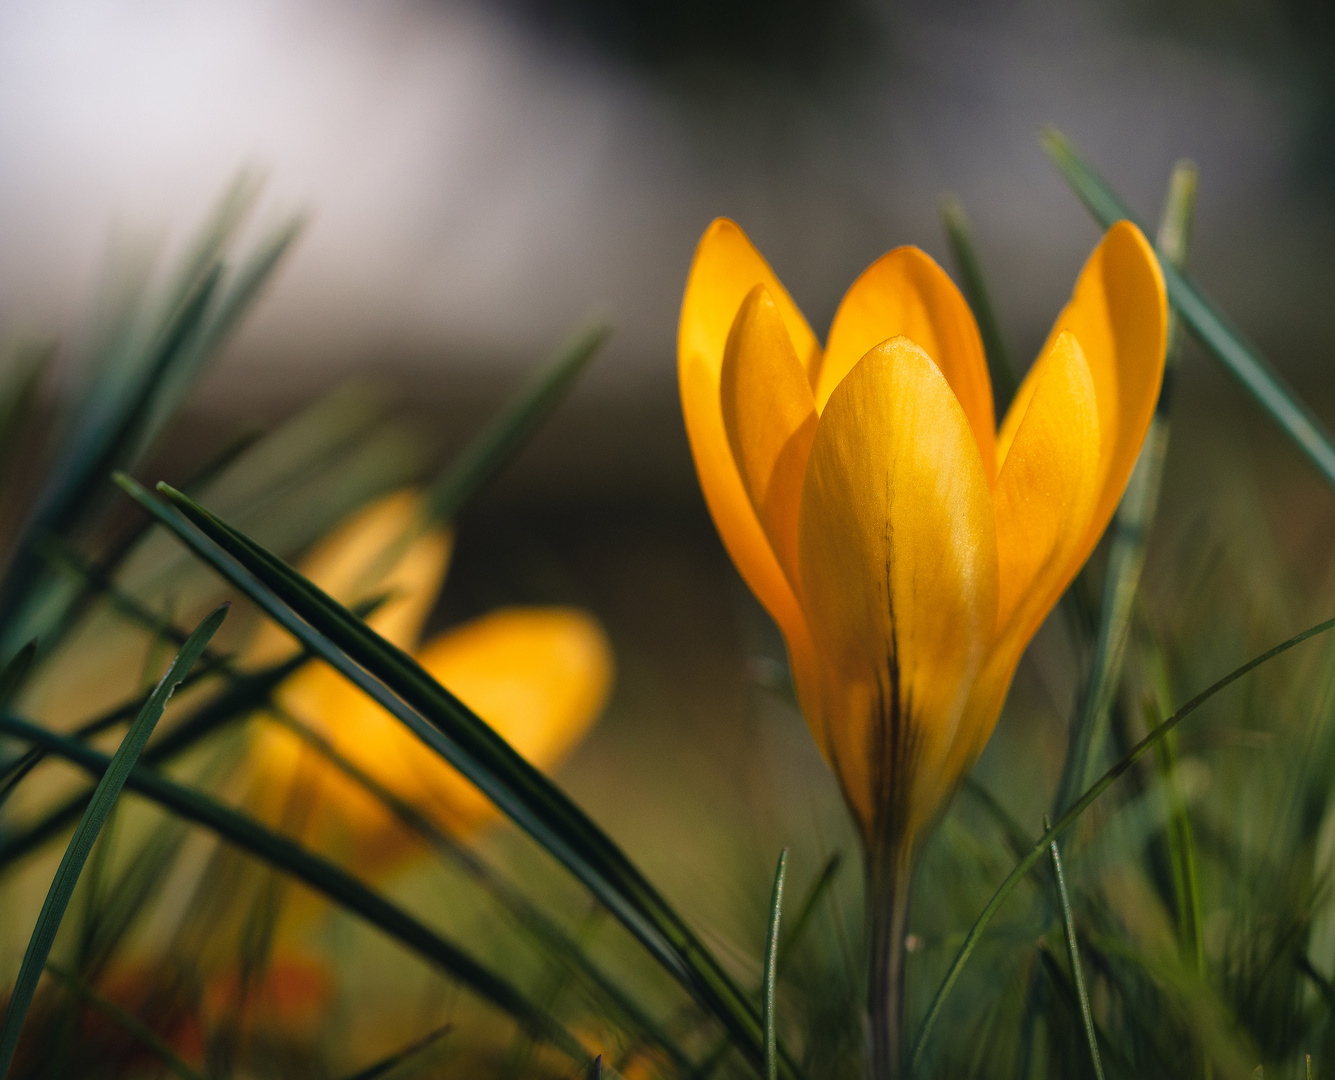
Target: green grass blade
[(25, 368), (1205, 320), (1131, 525), (822, 884), (81, 843), (100, 442), (1073, 952), (235, 299), (15, 771), (1181, 841), (130, 1024), (772, 968), (11, 678), (400, 1057), (247, 693), (1068, 819), (520, 791), (317, 873), (974, 285), (486, 454)]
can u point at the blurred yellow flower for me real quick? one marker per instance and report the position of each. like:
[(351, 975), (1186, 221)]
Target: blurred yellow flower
[(539, 676), (907, 548)]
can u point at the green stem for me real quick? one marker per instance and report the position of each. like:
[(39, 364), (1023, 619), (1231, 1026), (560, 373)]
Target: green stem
[(889, 879)]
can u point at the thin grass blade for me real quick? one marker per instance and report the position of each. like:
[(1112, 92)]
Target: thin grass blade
[(399, 684), (317, 873), (772, 968), (1040, 849), (400, 1057), (240, 291), (1073, 952), (11, 678), (1200, 314), (496, 444), (81, 843), (130, 1024), (819, 887), (973, 282)]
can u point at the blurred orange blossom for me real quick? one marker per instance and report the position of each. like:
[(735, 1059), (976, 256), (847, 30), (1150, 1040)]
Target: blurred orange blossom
[(540, 676)]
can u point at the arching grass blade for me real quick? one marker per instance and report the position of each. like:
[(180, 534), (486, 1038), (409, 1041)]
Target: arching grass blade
[(1073, 953), (1000, 366), (248, 692), (399, 684), (130, 1024), (1205, 320), (1041, 848), (11, 678), (771, 968), (378, 1069), (486, 454), (81, 843), (819, 887), (317, 873)]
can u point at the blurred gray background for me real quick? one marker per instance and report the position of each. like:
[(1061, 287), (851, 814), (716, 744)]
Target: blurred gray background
[(482, 176)]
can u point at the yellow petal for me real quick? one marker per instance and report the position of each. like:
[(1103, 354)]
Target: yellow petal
[(725, 270), (770, 418), (1044, 496), (1046, 490), (1119, 314), (905, 293), (365, 557), (897, 548), (727, 267)]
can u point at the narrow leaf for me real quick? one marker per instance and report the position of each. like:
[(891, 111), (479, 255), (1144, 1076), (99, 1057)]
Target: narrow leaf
[(11, 678), (771, 968), (1204, 319), (819, 887), (1071, 816), (131, 1024), (394, 1060), (974, 285), (81, 843), (496, 444), (1073, 952)]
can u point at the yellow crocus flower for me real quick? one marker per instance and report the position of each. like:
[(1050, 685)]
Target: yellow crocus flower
[(539, 676), (907, 548)]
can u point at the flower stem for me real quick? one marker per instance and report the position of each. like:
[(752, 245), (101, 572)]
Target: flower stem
[(889, 875)]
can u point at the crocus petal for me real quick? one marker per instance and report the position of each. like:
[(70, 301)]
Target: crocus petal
[(1119, 314), (367, 556), (770, 417), (727, 267), (725, 270), (905, 293), (1046, 490), (897, 548)]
